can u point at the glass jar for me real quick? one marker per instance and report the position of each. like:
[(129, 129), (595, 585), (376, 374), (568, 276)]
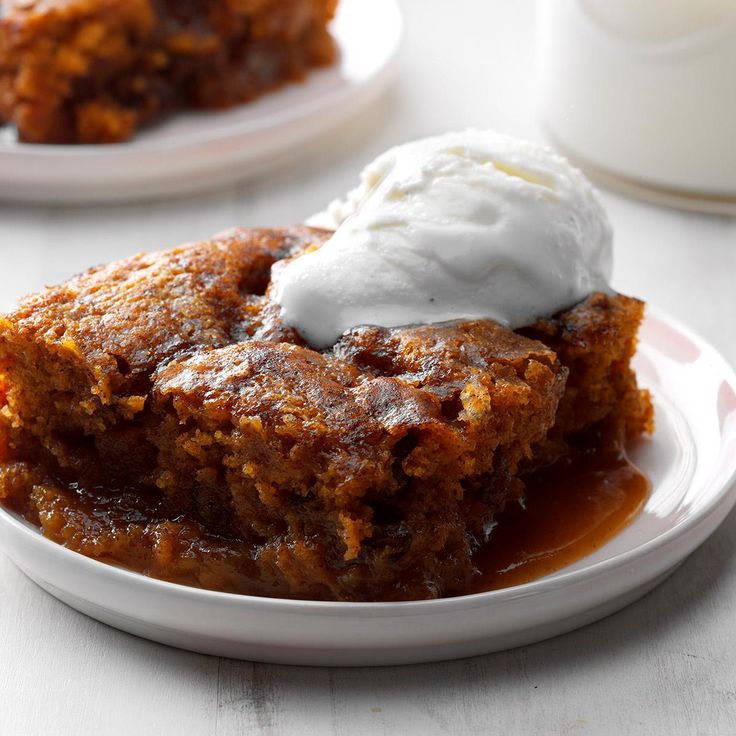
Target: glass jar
[(642, 94)]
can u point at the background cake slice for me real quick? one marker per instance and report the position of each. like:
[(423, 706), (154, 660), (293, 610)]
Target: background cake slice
[(92, 71)]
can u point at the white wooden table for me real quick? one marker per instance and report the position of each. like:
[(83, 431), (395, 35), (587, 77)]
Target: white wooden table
[(666, 665)]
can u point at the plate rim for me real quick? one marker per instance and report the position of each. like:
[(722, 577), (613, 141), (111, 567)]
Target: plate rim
[(726, 494)]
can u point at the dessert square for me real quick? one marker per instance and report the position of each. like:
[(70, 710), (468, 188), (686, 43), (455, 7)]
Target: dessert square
[(158, 414)]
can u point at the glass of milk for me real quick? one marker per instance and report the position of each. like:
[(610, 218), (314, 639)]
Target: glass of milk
[(642, 94)]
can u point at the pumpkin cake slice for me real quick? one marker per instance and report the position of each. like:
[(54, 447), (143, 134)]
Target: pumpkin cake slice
[(158, 415)]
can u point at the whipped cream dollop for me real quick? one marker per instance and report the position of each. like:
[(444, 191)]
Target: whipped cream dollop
[(466, 225)]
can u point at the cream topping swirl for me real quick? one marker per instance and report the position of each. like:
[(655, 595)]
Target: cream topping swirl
[(465, 225)]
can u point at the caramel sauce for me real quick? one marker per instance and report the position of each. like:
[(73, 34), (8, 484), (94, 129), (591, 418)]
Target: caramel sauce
[(568, 511)]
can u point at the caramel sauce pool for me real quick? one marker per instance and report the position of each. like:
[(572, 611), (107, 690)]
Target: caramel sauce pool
[(568, 511)]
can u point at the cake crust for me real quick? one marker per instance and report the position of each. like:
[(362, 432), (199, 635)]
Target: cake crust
[(241, 459)]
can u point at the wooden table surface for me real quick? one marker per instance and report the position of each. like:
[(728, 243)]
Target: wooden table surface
[(665, 665)]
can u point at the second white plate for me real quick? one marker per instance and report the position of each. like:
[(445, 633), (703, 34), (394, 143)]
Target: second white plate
[(691, 461), (193, 151)]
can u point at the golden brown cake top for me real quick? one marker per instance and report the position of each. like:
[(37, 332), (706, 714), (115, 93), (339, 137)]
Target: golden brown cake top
[(191, 328), (131, 315)]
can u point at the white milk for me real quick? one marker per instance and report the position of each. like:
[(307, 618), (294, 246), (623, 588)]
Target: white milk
[(645, 90)]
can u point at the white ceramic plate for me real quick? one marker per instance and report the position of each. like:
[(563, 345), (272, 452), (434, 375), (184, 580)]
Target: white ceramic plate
[(192, 151), (692, 464)]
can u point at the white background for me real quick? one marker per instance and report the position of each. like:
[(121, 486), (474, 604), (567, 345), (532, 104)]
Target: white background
[(666, 665)]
